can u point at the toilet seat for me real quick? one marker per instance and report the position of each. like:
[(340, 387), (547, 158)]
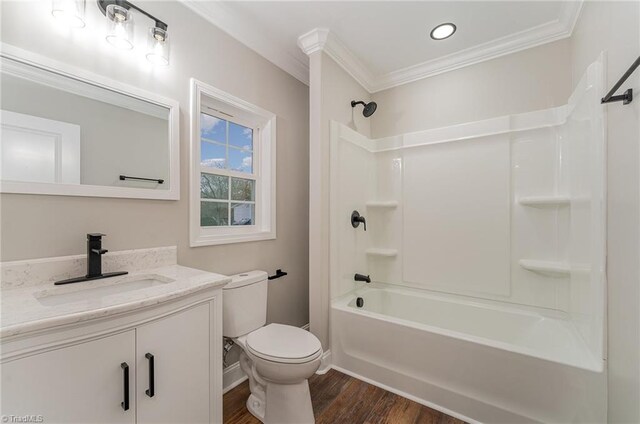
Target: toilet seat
[(283, 344)]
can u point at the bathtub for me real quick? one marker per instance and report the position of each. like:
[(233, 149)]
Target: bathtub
[(472, 359)]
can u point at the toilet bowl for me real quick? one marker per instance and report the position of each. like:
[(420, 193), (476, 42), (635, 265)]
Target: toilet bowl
[(278, 359)]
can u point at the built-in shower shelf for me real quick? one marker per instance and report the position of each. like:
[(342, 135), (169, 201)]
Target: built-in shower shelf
[(548, 268), (544, 201), (386, 204), (389, 253)]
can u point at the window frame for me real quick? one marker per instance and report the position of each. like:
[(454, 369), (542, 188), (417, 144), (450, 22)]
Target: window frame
[(263, 124)]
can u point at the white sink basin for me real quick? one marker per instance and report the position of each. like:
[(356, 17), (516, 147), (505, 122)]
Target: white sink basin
[(96, 289)]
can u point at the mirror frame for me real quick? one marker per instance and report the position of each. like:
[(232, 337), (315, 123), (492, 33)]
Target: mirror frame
[(44, 63)]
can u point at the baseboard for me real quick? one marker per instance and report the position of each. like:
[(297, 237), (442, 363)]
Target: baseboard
[(405, 395), (325, 364), (232, 376)]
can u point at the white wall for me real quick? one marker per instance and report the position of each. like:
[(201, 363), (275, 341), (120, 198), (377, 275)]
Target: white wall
[(331, 92), (353, 180), (533, 79), (614, 27), (42, 226), (459, 226)]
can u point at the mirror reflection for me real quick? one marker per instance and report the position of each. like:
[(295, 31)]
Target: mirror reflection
[(60, 130)]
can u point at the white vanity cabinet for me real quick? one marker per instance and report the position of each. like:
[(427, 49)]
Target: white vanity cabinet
[(180, 348), (76, 384), (78, 373)]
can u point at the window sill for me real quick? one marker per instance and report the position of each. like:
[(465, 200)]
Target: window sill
[(213, 240)]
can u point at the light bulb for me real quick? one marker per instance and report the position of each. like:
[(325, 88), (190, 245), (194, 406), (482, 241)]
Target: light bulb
[(158, 46), (69, 12), (121, 31)]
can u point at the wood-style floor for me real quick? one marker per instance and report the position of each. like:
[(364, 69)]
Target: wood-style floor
[(338, 398)]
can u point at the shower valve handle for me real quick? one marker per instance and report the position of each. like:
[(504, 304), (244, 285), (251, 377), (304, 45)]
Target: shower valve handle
[(356, 219)]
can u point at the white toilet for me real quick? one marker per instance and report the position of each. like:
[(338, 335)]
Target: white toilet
[(277, 358)]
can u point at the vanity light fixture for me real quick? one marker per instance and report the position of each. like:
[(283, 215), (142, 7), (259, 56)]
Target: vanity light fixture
[(158, 46), (69, 12), (120, 28), (120, 14), (443, 31)]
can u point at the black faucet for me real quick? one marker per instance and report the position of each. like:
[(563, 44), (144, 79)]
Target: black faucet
[(361, 277), (356, 219), (94, 261), (94, 254)]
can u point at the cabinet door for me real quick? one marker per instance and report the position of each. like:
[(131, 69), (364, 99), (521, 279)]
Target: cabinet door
[(179, 344), (84, 383)]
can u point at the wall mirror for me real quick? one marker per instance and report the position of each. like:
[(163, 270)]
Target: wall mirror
[(67, 132)]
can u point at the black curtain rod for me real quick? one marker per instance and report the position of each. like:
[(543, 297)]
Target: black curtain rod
[(627, 96)]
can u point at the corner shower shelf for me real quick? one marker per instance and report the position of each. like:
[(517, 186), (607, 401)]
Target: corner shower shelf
[(544, 201), (389, 253), (387, 204), (549, 268)]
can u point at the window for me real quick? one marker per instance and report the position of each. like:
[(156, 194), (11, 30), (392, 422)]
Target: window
[(226, 149), (233, 169)]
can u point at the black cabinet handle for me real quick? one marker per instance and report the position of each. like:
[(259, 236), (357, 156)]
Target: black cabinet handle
[(151, 390), (125, 370)]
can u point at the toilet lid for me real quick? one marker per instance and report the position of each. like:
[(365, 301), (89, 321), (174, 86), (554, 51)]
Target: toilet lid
[(283, 343)]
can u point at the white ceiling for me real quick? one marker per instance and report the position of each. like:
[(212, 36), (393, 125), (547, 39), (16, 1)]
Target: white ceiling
[(387, 43)]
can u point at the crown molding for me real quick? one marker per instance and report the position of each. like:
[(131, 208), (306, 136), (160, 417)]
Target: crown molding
[(251, 35), (313, 40), (513, 43), (570, 14), (322, 39)]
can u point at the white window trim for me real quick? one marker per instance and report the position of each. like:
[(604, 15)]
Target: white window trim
[(264, 170)]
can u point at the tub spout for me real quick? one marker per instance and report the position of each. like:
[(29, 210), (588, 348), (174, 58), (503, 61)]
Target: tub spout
[(361, 277)]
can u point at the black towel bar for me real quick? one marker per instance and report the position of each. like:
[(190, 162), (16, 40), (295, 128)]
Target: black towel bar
[(279, 273), (127, 177)]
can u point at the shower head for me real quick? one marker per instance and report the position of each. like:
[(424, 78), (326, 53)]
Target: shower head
[(369, 108)]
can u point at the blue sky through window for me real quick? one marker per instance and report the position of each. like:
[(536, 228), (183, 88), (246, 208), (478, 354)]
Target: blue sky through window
[(213, 155), (213, 128), (235, 151), (240, 136), (240, 160)]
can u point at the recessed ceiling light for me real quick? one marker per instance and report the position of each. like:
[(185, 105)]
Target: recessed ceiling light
[(443, 31)]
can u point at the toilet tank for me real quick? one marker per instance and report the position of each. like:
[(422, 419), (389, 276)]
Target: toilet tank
[(244, 303)]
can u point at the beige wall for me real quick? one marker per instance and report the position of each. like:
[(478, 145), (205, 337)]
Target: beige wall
[(331, 92), (533, 79), (614, 27), (42, 226)]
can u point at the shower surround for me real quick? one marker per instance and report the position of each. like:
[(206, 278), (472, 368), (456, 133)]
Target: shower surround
[(485, 245)]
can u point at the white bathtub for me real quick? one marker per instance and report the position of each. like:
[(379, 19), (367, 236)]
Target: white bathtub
[(475, 359)]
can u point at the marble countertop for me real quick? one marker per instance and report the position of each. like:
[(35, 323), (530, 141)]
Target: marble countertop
[(40, 306)]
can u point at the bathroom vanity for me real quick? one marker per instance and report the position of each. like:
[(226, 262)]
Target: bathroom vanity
[(143, 347)]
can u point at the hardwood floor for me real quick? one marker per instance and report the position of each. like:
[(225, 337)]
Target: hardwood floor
[(338, 398)]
